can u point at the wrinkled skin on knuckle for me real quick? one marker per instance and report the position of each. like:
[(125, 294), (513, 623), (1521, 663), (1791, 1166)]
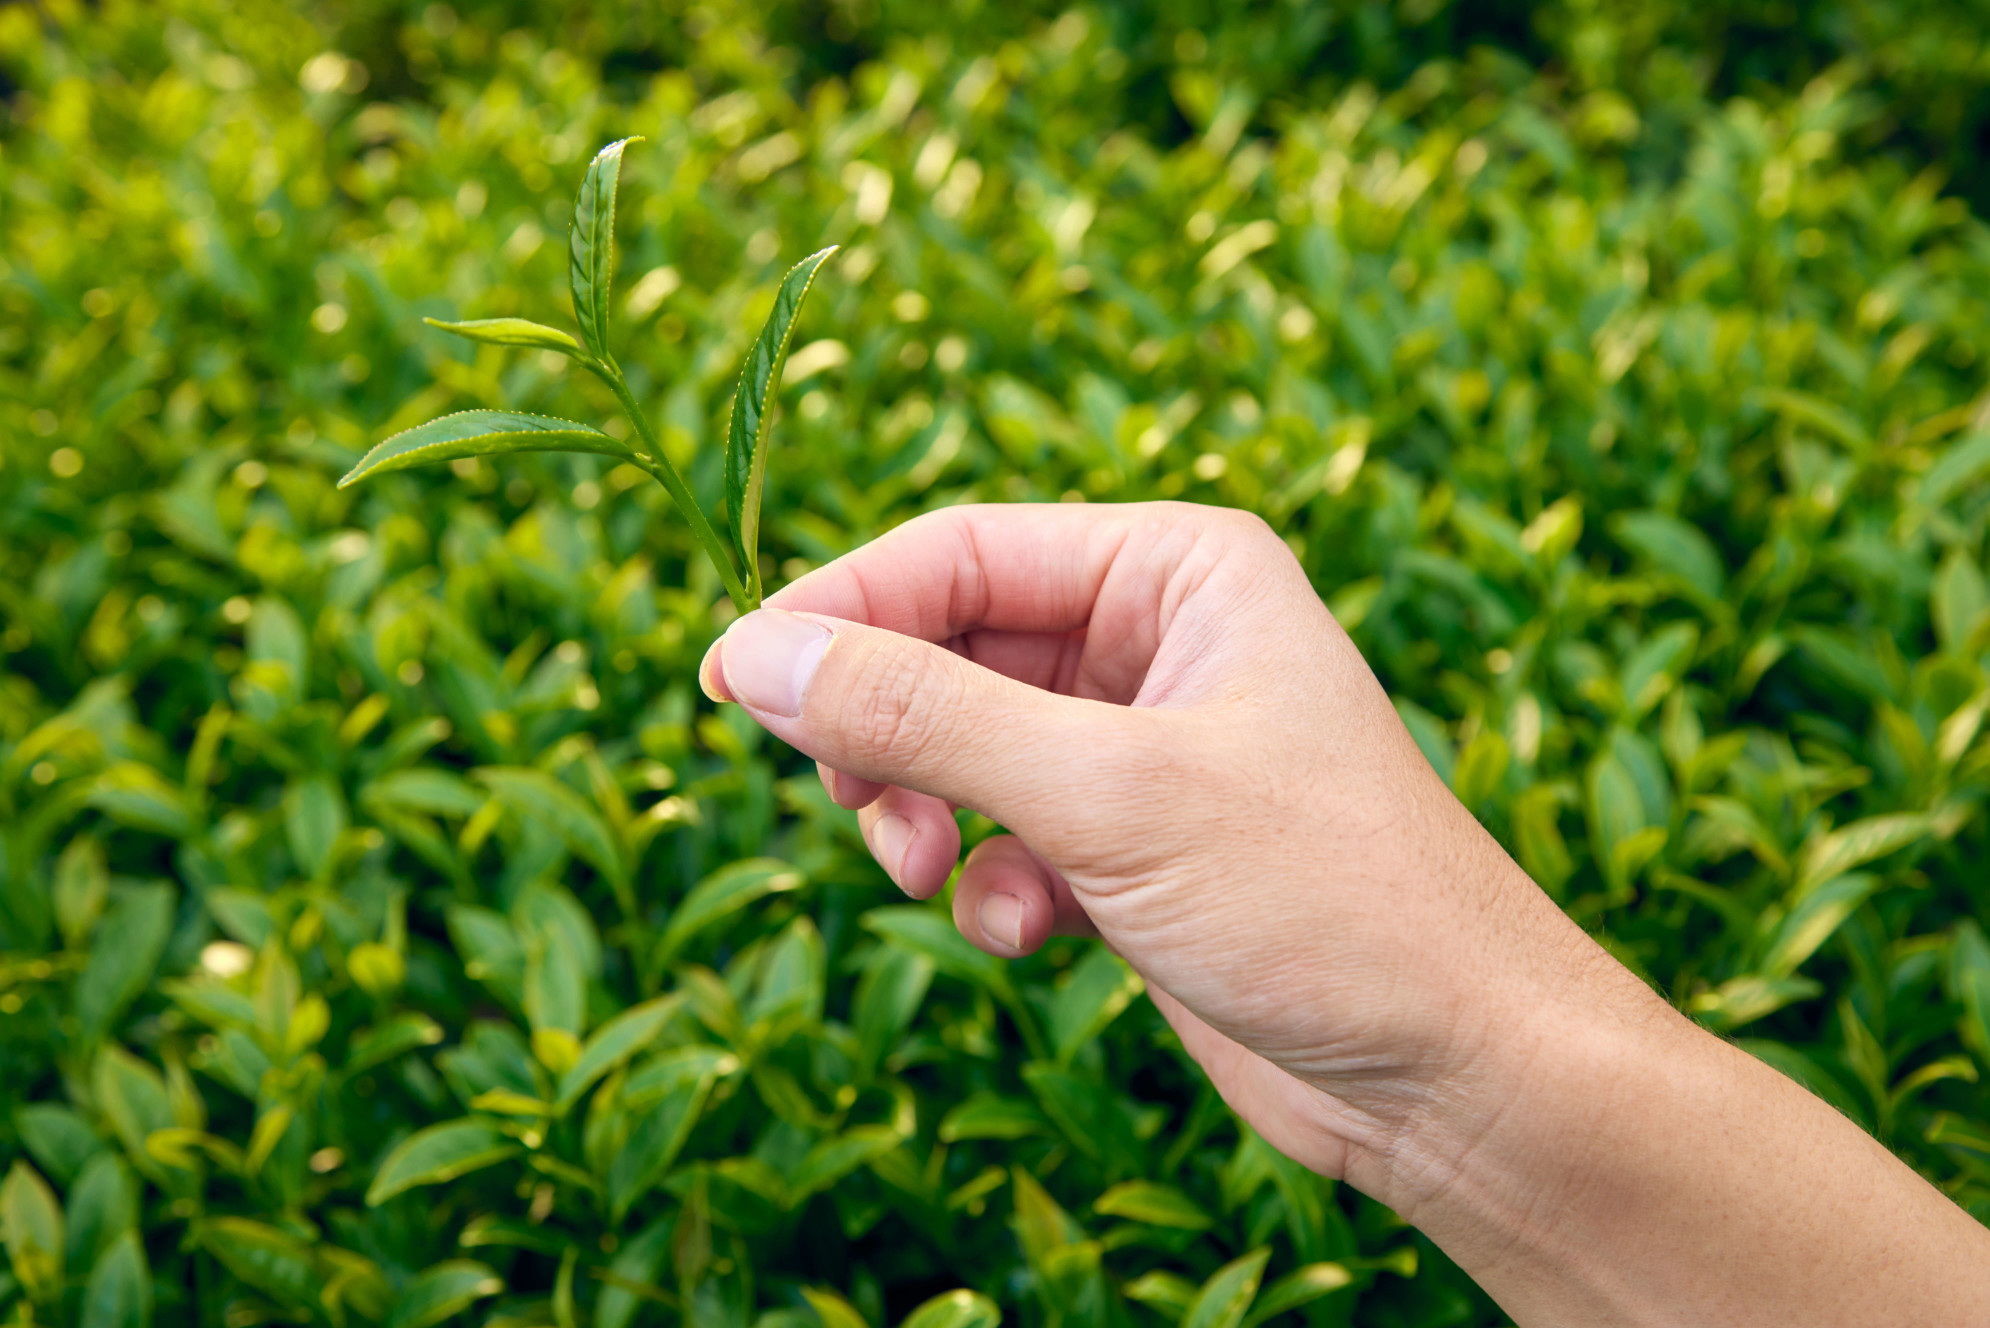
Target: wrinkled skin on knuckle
[(893, 716)]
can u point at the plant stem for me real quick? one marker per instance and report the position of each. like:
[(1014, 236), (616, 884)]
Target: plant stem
[(659, 467)]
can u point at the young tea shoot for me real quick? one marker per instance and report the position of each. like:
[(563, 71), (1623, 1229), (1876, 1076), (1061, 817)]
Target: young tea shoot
[(476, 433)]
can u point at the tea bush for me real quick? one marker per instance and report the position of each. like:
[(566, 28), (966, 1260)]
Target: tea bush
[(391, 932)]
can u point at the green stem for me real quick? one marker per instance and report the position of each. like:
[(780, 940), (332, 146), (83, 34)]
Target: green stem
[(659, 467)]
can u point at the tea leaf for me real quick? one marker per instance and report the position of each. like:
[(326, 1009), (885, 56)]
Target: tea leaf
[(955, 1309), (442, 1292), (988, 1116), (591, 265), (655, 1138), (1300, 1287), (1100, 986), (272, 1261), (438, 1153), (1227, 1295), (832, 1309), (753, 415), (31, 1225), (123, 954), (475, 433), (722, 894), (118, 1293), (614, 1042), (514, 332), (1153, 1203)]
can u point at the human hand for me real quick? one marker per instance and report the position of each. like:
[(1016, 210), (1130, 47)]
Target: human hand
[(1195, 763)]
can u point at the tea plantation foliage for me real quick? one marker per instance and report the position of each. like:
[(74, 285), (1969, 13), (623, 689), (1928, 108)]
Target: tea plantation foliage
[(392, 933)]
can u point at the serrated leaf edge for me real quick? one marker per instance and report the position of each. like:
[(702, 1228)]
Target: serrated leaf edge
[(746, 521), (360, 468)]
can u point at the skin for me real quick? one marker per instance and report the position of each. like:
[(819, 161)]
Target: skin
[(1198, 766)]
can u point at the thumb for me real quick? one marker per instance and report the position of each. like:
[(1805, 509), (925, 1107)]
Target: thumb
[(898, 710)]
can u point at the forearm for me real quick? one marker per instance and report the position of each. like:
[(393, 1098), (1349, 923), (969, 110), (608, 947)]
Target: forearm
[(1612, 1163)]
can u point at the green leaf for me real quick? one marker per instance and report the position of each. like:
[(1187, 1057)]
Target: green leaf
[(1227, 1295), (1820, 912), (132, 1096), (591, 246), (391, 1037), (514, 332), (314, 816), (60, 1140), (1673, 547), (615, 1042), (475, 433), (442, 1292), (832, 1309), (272, 1261), (1155, 1204), (439, 1153), (123, 953), (832, 1159), (989, 1116), (103, 1205), (31, 1225), (1857, 844), (926, 930), (636, 1262), (555, 984), (1170, 1293), (1099, 987), (887, 999), (1041, 1225), (656, 1135), (1300, 1287), (955, 1309), (538, 796), (723, 893), (753, 415), (118, 1293), (1969, 985)]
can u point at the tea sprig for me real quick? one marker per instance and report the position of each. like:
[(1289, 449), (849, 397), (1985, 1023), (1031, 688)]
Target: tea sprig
[(477, 433)]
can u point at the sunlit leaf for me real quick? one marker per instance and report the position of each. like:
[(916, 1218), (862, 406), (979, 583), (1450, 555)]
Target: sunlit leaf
[(591, 262), (753, 414), (476, 433)]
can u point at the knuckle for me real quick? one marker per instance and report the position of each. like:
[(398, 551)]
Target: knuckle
[(893, 712)]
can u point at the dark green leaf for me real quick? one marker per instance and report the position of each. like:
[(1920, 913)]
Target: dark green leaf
[(1099, 987), (753, 415), (118, 1293), (615, 1042), (439, 1153), (442, 1292), (723, 893)]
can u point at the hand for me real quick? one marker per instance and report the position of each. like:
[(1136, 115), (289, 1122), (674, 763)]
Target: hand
[(1197, 765)]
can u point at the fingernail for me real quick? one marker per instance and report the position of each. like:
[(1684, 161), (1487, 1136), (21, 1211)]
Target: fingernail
[(891, 841), (1001, 919), (768, 658), (711, 676)]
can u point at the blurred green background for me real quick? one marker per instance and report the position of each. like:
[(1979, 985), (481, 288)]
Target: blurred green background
[(389, 931)]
